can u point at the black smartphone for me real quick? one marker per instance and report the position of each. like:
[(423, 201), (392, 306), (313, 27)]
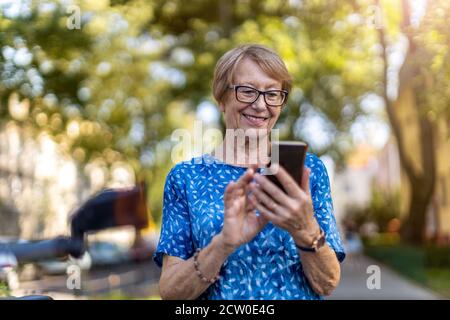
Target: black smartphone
[(291, 156)]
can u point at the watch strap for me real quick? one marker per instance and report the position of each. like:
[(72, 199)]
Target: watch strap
[(316, 244)]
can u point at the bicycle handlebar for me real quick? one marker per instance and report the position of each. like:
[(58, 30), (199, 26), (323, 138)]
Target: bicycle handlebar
[(108, 208), (45, 249), (31, 297)]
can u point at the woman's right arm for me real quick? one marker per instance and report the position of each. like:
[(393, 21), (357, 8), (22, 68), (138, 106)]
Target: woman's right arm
[(179, 279)]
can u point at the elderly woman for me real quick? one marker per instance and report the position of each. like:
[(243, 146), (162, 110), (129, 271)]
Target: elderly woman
[(227, 231)]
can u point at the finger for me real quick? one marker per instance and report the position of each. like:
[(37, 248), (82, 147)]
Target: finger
[(259, 220), (263, 210), (249, 206), (235, 208), (267, 201), (266, 213), (305, 180), (246, 178), (230, 192), (270, 188), (286, 180)]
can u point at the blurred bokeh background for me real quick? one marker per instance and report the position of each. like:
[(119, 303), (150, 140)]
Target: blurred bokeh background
[(91, 91)]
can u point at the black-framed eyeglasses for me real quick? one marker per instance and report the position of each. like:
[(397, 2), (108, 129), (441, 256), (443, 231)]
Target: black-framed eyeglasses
[(273, 98)]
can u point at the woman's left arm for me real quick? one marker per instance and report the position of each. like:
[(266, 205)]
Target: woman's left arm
[(293, 211), (322, 267)]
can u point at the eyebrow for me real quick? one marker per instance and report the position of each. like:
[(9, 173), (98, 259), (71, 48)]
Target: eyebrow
[(273, 85)]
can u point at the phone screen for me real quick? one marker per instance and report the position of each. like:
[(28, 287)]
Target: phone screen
[(291, 156)]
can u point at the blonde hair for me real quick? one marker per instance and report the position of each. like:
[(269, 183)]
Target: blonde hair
[(268, 60)]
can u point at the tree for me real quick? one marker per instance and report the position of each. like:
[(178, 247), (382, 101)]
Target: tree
[(96, 90), (115, 89), (418, 81), (325, 48)]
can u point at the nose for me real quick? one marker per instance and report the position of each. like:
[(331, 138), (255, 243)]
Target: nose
[(259, 104)]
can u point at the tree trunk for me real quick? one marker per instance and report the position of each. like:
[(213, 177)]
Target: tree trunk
[(413, 230), (421, 176), (422, 184)]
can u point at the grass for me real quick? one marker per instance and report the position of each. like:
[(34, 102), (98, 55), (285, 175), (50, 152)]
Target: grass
[(4, 290), (408, 261), (120, 295), (438, 279), (428, 266)]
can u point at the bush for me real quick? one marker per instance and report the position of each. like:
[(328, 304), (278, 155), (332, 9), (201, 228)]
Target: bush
[(383, 239), (4, 290), (437, 257), (382, 209), (413, 262), (409, 261)]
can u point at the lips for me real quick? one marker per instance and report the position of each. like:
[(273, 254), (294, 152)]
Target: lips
[(255, 120)]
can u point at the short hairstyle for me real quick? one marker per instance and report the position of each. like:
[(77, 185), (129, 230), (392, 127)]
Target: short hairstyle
[(268, 60)]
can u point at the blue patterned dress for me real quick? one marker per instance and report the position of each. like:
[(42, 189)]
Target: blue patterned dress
[(266, 268)]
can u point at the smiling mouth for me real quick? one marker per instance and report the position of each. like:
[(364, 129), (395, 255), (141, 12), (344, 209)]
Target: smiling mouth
[(254, 120)]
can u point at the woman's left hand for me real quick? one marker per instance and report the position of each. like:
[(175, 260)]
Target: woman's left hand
[(292, 211)]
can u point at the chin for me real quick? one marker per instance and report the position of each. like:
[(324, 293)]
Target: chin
[(255, 132)]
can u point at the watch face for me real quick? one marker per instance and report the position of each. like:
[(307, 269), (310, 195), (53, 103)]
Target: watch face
[(320, 241)]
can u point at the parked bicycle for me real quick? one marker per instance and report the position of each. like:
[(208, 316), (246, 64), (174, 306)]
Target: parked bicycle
[(107, 209)]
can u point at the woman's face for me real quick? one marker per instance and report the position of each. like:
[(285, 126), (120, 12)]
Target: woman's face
[(258, 115)]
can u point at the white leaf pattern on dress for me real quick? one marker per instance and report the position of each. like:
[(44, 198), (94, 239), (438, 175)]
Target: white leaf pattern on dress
[(193, 214)]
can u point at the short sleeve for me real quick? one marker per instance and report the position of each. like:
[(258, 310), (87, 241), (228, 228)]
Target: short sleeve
[(323, 205), (175, 237)]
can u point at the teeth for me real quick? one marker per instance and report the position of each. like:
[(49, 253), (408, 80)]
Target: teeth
[(254, 118)]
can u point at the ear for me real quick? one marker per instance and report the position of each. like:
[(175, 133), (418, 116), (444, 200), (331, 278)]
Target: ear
[(222, 106)]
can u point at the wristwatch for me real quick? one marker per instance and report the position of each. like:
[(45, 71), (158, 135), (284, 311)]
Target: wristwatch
[(316, 244)]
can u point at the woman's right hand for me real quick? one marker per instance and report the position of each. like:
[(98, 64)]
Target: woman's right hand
[(241, 224)]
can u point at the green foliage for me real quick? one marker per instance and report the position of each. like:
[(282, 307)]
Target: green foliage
[(439, 280), (109, 90), (325, 51), (4, 290), (91, 88), (136, 70), (434, 36), (382, 239), (429, 265), (382, 208), (438, 257), (409, 261)]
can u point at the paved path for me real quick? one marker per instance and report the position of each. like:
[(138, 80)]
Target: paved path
[(135, 280), (354, 277), (353, 284)]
